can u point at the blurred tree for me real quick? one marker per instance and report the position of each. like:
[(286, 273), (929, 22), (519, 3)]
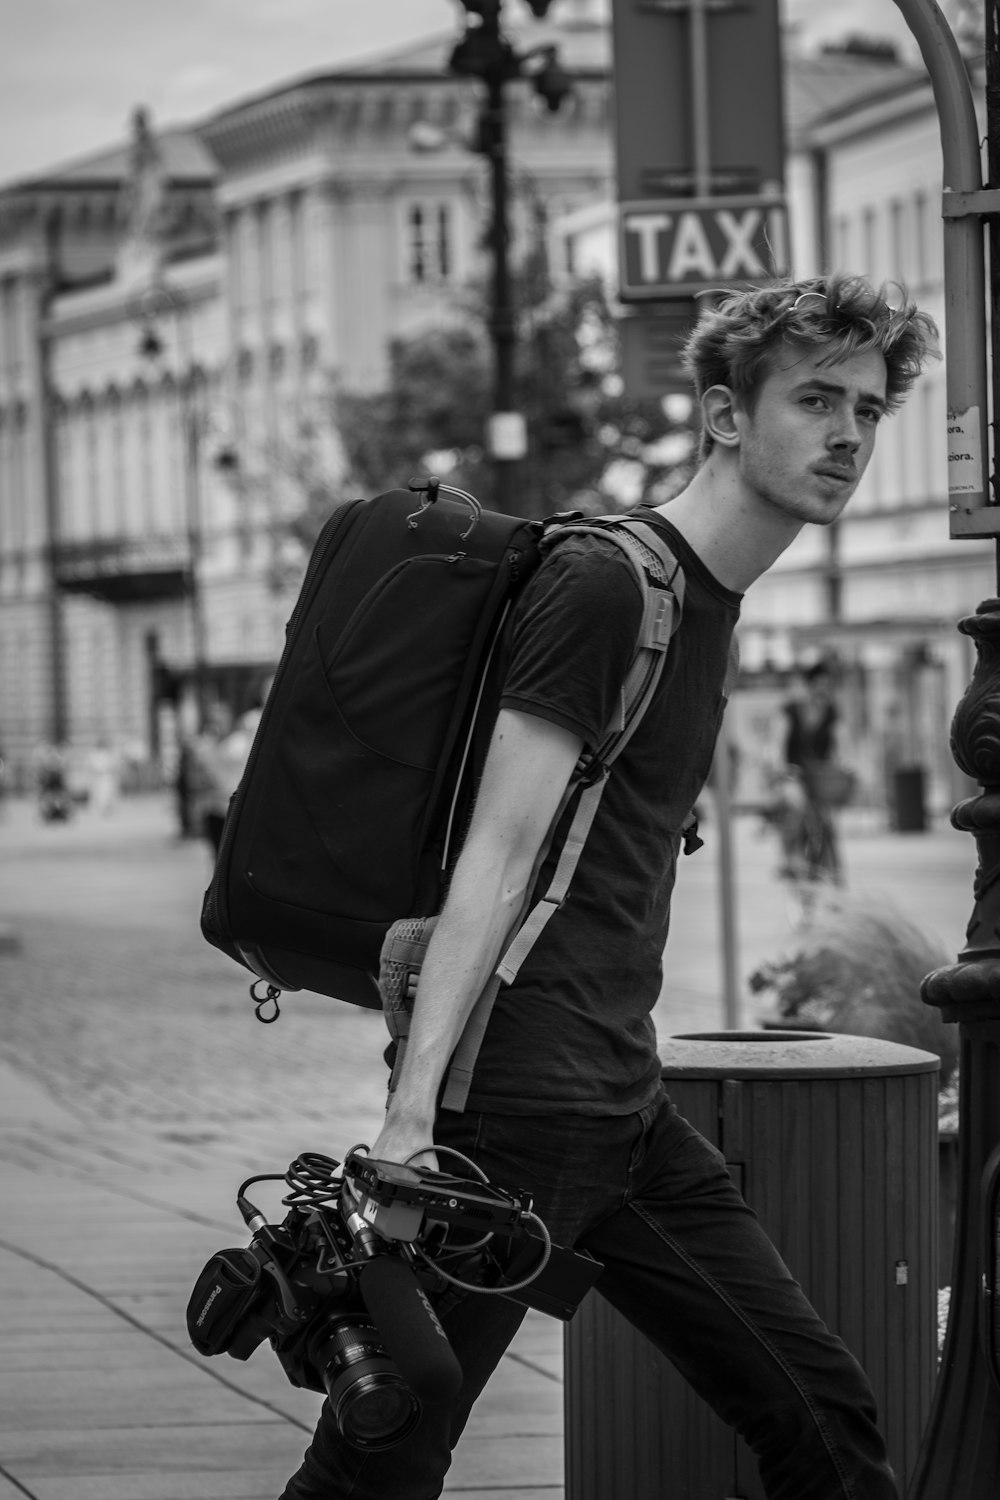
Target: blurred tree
[(431, 414), (590, 447)]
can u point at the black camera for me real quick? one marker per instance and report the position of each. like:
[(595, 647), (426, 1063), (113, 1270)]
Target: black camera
[(349, 1287)]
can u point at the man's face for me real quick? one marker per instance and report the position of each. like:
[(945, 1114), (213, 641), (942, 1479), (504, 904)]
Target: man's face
[(807, 442)]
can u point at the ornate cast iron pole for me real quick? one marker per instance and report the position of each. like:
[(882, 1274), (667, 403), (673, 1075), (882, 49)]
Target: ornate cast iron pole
[(960, 1457), (960, 1454)]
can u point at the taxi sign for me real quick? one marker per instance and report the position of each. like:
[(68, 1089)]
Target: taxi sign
[(673, 247)]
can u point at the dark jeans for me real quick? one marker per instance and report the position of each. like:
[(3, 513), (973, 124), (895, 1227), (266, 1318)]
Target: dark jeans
[(687, 1262)]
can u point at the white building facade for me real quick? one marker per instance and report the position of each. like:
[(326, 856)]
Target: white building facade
[(151, 446), (145, 443)]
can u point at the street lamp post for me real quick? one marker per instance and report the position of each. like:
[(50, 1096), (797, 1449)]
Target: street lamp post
[(59, 725), (506, 436), (163, 297), (485, 53)]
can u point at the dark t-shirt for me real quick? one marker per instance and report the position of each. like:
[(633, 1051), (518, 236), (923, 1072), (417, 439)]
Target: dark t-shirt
[(573, 1033), (809, 739)]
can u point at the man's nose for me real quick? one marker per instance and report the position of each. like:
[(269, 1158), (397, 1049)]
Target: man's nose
[(845, 435)]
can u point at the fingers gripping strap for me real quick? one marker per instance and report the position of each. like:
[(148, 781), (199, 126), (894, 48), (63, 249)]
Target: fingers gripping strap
[(406, 944)]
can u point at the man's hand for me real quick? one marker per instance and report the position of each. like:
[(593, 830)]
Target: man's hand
[(397, 1143)]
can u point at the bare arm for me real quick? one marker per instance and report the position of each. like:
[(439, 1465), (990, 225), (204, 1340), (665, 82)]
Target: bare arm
[(528, 767)]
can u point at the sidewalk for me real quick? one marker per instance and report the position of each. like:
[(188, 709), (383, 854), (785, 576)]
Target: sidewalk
[(116, 1190), (136, 1092), (101, 1395)]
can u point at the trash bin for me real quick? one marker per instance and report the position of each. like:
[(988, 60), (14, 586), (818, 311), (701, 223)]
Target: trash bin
[(909, 802), (833, 1142)]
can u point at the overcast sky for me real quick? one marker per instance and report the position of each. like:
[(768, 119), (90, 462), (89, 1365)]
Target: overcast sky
[(72, 70)]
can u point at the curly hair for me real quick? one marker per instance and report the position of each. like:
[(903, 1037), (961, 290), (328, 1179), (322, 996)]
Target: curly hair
[(733, 343)]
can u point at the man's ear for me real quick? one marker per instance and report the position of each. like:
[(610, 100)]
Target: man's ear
[(718, 409)]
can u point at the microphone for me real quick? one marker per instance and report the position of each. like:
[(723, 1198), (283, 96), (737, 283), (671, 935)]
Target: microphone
[(408, 1324)]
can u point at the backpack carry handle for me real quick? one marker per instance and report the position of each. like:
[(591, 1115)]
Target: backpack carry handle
[(429, 489)]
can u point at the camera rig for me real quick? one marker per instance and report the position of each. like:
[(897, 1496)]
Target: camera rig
[(350, 1286)]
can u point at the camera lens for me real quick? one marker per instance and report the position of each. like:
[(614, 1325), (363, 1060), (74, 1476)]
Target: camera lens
[(373, 1406)]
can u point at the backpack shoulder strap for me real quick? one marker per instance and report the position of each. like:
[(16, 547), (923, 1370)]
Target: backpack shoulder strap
[(661, 583)]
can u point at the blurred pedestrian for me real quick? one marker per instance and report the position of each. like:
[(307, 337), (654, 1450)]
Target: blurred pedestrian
[(209, 775), (816, 785), (184, 791), (55, 801), (104, 774)]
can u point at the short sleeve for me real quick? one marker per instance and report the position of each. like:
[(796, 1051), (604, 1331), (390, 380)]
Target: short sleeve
[(574, 635)]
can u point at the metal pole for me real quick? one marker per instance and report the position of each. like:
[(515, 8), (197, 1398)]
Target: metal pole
[(732, 998), (701, 134), (993, 229), (701, 154), (192, 508), (964, 266), (960, 1453), (190, 434), (502, 328), (59, 699)]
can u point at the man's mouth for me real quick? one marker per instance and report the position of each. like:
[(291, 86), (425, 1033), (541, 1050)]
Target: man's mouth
[(842, 476)]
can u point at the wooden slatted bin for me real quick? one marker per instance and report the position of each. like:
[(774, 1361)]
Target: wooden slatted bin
[(833, 1142)]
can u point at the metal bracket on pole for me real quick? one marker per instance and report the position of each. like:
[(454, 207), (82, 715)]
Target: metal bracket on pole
[(966, 323), (984, 203)]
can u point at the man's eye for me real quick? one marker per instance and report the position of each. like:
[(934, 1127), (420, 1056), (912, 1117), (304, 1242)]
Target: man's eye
[(871, 414), (815, 401)]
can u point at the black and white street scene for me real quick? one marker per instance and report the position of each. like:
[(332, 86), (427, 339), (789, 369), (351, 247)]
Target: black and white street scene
[(499, 749)]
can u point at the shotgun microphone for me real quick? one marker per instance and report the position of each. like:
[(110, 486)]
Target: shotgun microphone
[(410, 1330)]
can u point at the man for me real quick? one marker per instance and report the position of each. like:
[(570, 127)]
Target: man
[(566, 1100)]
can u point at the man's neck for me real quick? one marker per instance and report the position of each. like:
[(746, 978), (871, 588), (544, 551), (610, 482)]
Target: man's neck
[(736, 535)]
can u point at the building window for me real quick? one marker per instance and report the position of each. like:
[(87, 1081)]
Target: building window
[(841, 241), (117, 482), (868, 246), (10, 327), (296, 252), (898, 240), (140, 476), (921, 238), (429, 249)]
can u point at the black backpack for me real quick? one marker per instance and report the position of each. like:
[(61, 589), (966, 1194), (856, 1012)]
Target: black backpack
[(359, 784)]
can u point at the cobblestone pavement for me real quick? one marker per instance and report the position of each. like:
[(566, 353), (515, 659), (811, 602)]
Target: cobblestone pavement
[(115, 1003), (113, 1000)]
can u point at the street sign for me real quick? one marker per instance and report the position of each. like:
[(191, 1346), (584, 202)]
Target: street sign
[(672, 247), (698, 98), (651, 343), (699, 141)]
